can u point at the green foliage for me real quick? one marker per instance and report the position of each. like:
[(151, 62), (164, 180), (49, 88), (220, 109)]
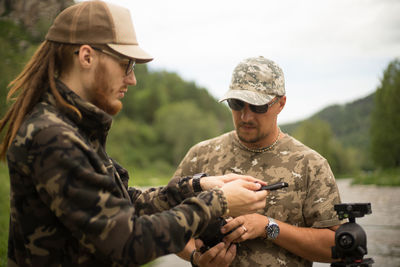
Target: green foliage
[(182, 124), (381, 177), (16, 49), (350, 125), (4, 212), (317, 134), (129, 142), (385, 134)]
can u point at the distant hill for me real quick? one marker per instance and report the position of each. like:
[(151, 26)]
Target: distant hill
[(350, 122)]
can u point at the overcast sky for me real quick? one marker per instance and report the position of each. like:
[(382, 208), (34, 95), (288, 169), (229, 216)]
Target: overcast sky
[(331, 51)]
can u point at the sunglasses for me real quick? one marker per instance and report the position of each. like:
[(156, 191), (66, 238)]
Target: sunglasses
[(130, 63), (237, 105)]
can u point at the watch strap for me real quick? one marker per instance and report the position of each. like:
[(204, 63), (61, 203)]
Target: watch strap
[(196, 181)]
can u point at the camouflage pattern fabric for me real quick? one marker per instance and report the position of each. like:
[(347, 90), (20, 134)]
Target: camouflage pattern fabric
[(307, 202), (257, 81), (70, 204)]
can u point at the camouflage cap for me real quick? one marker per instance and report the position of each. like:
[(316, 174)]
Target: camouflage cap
[(257, 81)]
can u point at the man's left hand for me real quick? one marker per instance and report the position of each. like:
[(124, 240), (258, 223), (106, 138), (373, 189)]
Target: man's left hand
[(245, 227)]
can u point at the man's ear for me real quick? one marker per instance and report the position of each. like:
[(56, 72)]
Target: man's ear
[(85, 56), (281, 103)]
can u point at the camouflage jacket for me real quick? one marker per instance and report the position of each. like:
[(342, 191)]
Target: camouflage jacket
[(307, 202), (71, 205)]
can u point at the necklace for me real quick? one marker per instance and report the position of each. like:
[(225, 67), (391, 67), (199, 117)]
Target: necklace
[(264, 149)]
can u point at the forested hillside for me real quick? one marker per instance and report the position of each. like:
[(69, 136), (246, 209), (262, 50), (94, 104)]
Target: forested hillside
[(350, 125), (164, 115)]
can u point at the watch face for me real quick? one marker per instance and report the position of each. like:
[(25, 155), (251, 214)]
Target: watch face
[(272, 231)]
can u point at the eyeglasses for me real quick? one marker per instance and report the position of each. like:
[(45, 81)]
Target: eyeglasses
[(236, 104), (130, 63)]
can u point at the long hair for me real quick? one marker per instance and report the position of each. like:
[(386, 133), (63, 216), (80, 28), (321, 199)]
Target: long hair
[(48, 62)]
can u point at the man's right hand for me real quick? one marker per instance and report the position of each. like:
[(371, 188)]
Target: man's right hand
[(242, 197), (220, 255)]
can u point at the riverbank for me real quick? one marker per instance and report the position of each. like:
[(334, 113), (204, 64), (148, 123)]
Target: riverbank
[(387, 177)]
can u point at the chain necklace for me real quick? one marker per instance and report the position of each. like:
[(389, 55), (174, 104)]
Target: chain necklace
[(264, 149)]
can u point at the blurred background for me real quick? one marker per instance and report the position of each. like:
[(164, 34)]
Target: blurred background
[(342, 72)]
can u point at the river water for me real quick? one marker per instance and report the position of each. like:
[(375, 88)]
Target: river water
[(382, 226)]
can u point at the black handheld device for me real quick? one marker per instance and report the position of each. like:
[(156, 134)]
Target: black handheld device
[(274, 186), (212, 234)]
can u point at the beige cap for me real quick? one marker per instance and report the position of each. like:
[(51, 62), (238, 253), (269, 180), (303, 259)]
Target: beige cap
[(98, 22), (257, 81)]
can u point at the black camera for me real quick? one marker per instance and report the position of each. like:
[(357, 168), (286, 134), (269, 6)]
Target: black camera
[(212, 234), (350, 238)]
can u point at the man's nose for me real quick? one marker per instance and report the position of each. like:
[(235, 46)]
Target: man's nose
[(130, 79), (246, 113)]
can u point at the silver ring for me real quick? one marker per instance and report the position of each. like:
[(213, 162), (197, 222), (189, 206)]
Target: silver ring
[(244, 228)]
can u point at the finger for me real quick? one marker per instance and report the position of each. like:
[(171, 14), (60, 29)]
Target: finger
[(231, 253), (252, 186), (228, 219), (261, 195), (236, 234), (232, 224), (210, 254), (198, 244), (225, 256)]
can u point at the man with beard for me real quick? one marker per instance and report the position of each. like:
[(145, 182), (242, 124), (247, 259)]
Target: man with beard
[(297, 225), (70, 202)]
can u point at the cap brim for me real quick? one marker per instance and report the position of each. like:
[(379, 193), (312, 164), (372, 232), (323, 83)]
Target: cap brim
[(132, 51), (250, 97)]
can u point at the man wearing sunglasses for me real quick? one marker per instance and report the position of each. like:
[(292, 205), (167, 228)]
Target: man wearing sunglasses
[(70, 202), (297, 225)]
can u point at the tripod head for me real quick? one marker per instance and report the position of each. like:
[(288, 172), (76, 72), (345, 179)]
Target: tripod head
[(350, 238)]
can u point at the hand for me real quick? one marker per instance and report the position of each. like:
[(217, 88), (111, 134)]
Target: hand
[(210, 182), (242, 197), (246, 227), (220, 255)]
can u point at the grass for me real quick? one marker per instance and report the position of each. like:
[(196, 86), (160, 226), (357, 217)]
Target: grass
[(388, 177), (138, 178), (148, 177)]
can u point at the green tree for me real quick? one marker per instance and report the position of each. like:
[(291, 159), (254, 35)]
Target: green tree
[(132, 143), (385, 121), (181, 125), (16, 49), (317, 134)]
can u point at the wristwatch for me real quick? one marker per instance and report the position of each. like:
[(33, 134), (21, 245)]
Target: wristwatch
[(196, 181), (272, 229)]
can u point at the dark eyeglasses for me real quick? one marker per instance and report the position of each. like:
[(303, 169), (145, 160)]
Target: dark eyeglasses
[(130, 63), (236, 104)]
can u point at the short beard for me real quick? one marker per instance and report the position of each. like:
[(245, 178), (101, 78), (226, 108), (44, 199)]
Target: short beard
[(103, 92), (250, 141), (254, 140)]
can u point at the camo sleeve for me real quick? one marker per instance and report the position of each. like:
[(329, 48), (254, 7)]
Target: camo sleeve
[(155, 199), (79, 192), (322, 195)]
